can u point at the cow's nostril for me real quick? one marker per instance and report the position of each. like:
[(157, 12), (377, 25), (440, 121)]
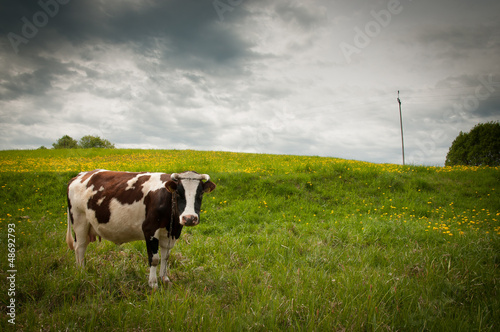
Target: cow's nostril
[(190, 220)]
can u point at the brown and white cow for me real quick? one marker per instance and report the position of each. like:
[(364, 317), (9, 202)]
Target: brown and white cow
[(123, 207)]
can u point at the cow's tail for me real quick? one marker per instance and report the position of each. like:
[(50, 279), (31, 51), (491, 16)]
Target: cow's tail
[(69, 236)]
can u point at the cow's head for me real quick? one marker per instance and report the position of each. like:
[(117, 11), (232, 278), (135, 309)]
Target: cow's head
[(188, 188)]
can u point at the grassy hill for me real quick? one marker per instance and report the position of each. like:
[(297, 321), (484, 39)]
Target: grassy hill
[(285, 243)]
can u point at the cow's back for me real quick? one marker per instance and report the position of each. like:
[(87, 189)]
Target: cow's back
[(113, 203)]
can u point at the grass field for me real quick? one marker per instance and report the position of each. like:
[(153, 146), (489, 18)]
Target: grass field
[(285, 243)]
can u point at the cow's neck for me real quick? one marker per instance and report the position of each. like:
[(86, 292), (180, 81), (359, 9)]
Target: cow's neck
[(175, 227)]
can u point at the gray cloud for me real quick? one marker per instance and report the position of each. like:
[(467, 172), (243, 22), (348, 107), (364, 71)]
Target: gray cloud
[(260, 77), (453, 42), (301, 15)]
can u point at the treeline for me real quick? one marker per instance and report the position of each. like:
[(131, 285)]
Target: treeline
[(86, 142)]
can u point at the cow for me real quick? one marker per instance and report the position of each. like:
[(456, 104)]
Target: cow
[(124, 206)]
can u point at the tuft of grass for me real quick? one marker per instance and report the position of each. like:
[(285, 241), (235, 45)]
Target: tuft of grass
[(285, 243)]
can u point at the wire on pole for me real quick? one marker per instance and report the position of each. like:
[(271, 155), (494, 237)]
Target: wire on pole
[(401, 122)]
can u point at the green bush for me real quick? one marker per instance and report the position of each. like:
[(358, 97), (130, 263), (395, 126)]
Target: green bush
[(90, 142), (65, 142), (86, 142), (479, 147)]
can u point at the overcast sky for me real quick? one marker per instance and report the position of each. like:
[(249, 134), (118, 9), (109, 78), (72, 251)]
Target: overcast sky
[(286, 77)]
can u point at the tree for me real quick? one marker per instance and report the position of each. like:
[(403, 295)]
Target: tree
[(65, 142), (479, 147), (89, 142)]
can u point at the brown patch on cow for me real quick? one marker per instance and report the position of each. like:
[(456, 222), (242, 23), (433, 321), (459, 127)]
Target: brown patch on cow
[(159, 213), (109, 185), (164, 177), (158, 209), (87, 175)]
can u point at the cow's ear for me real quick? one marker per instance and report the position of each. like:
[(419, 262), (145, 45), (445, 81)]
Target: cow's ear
[(208, 186), (171, 186)]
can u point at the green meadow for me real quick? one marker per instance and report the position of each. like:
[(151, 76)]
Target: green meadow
[(285, 243)]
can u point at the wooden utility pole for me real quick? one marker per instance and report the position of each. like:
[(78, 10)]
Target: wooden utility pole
[(401, 122)]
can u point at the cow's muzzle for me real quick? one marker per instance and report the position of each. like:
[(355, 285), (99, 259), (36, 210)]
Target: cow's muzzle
[(190, 220)]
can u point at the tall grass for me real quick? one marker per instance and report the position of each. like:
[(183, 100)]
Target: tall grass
[(285, 243)]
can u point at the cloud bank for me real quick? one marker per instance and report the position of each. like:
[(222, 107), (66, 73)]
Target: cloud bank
[(285, 77)]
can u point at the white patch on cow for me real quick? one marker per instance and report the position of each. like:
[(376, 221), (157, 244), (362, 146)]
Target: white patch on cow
[(153, 281), (157, 234), (154, 183), (125, 222), (99, 202), (131, 183), (102, 188), (190, 187), (156, 259)]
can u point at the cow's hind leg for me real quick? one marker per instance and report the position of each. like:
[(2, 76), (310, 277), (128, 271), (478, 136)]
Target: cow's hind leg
[(166, 245), (81, 228)]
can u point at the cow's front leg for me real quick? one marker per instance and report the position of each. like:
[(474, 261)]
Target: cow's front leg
[(166, 245), (153, 258)]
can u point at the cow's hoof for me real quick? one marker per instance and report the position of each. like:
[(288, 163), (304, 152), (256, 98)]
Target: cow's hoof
[(166, 280), (153, 285)]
